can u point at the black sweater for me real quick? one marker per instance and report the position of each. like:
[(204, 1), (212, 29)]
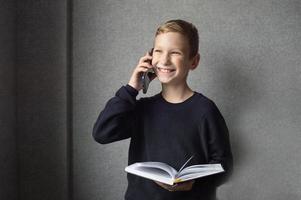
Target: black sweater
[(167, 132)]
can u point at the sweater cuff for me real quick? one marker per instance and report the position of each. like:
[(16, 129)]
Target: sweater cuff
[(127, 93), (131, 90)]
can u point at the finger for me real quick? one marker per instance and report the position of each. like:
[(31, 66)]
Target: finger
[(185, 186), (145, 58), (186, 182), (161, 184), (145, 66), (142, 70), (165, 186)]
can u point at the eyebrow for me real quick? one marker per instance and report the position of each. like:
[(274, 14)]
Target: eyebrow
[(170, 49)]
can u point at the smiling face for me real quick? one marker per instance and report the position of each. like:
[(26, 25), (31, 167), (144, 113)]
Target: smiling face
[(171, 58)]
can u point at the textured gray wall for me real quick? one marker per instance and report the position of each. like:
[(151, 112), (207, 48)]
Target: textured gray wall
[(250, 66), (42, 99), (8, 155)]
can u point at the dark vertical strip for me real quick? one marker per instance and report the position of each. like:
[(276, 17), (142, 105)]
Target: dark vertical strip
[(16, 22), (69, 74)]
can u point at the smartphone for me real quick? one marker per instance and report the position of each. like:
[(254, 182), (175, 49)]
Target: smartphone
[(146, 76)]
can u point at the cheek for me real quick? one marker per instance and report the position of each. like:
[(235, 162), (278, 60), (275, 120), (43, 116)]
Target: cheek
[(178, 60), (155, 60)]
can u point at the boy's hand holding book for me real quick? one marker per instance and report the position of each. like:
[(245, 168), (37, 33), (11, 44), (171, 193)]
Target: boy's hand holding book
[(184, 186)]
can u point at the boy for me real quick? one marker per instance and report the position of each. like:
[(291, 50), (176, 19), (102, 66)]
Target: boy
[(172, 125)]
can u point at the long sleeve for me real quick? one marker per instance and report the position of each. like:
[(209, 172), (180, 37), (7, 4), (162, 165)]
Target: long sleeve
[(117, 120), (217, 144)]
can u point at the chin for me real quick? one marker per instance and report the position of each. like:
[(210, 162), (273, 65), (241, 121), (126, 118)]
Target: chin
[(171, 81), (164, 80)]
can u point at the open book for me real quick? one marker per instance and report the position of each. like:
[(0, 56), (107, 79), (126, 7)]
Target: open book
[(164, 173)]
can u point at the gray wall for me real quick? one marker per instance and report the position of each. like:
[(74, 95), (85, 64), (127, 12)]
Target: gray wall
[(250, 66), (41, 62), (8, 153)]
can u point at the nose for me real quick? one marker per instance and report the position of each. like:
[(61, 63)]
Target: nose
[(164, 59)]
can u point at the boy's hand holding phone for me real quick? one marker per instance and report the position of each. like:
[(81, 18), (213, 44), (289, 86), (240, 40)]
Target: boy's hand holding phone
[(143, 66)]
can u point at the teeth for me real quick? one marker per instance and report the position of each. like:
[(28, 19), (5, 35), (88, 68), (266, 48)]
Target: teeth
[(164, 70)]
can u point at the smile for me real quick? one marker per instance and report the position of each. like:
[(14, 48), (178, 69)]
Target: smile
[(164, 70)]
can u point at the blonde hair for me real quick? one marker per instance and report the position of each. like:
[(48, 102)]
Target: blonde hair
[(185, 28)]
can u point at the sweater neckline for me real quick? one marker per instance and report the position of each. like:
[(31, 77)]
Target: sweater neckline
[(177, 105)]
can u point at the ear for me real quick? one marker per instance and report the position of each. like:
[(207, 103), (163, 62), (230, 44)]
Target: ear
[(195, 61)]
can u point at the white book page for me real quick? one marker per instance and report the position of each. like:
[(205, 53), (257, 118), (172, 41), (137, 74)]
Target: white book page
[(156, 174), (201, 169), (142, 166), (196, 175), (185, 164)]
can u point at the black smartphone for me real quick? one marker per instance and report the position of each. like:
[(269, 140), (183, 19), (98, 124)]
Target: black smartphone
[(146, 76)]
